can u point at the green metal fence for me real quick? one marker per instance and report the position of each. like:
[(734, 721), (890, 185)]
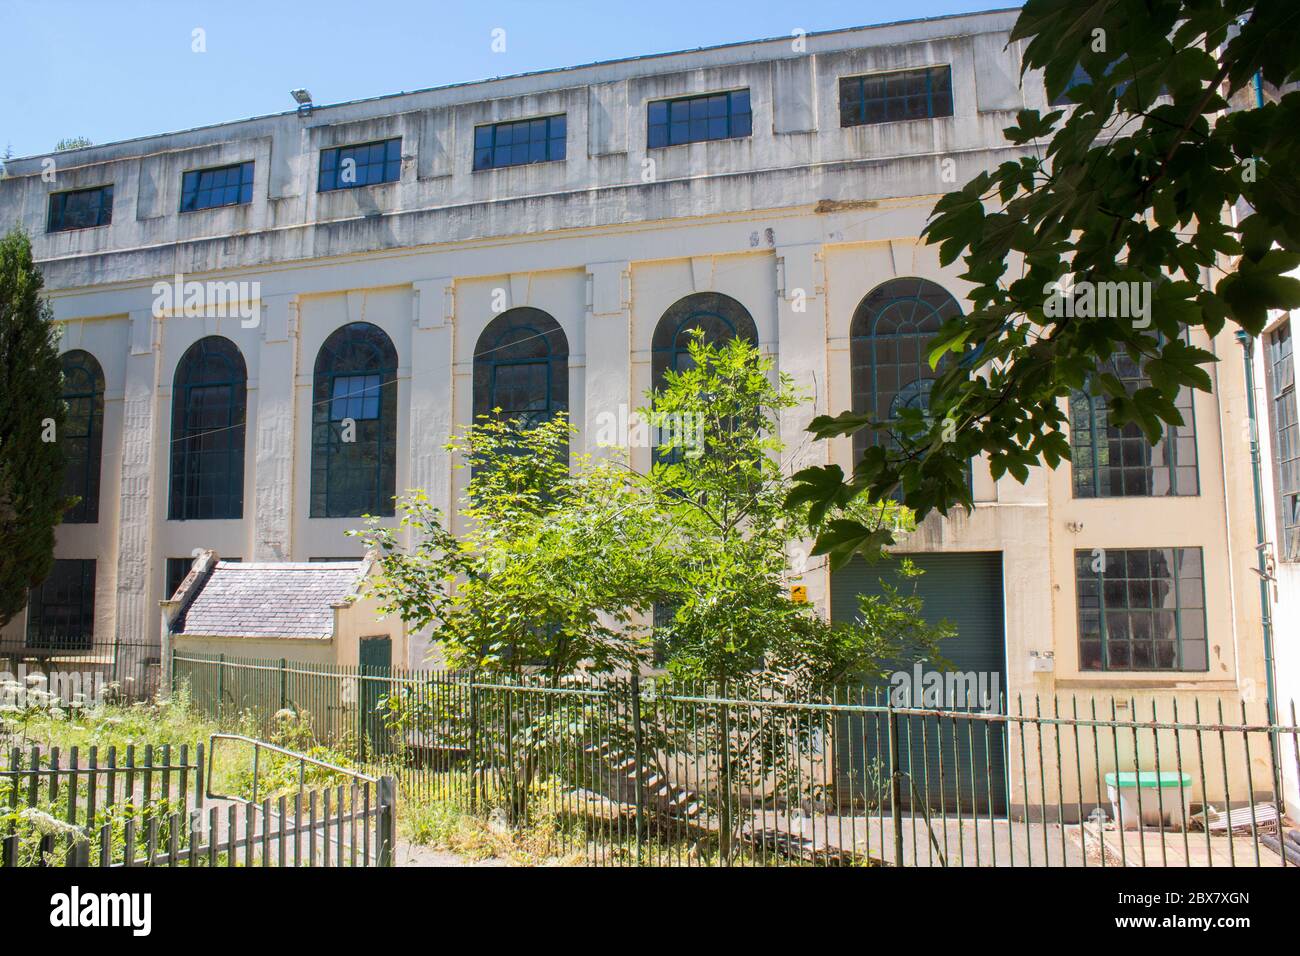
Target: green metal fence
[(639, 770)]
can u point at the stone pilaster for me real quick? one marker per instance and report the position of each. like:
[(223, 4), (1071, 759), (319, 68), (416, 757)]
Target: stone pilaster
[(144, 436), (273, 479), (608, 400), (801, 321)]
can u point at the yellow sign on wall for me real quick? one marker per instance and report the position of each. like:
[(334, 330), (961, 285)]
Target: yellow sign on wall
[(799, 593)]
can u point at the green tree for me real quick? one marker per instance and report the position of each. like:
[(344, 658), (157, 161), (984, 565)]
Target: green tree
[(1135, 183), (554, 566), (31, 414), (735, 631)]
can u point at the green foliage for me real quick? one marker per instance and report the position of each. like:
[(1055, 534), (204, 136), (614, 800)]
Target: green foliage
[(1134, 184), (735, 522), (552, 569), (558, 566), (31, 468), (72, 142)]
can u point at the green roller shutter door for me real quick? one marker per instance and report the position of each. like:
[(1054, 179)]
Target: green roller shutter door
[(966, 590)]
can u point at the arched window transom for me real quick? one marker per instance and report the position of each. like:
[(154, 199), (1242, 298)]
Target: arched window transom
[(720, 316), (521, 366), (889, 351)]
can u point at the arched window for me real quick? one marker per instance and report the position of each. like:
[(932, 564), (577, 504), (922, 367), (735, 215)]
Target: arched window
[(83, 434), (888, 349), (521, 366), (209, 399), (720, 316), (354, 424)]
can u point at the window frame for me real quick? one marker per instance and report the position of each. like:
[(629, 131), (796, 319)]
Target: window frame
[(1284, 436), (478, 152), (104, 215), (491, 356), (860, 81), (865, 346), (83, 482), (188, 457), (327, 453), (1130, 436), (247, 173), (730, 115), (1084, 558), (336, 152), (84, 608)]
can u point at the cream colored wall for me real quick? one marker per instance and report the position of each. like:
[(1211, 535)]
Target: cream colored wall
[(362, 620), (313, 651)]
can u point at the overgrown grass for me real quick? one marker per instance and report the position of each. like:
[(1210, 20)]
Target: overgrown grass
[(157, 723)]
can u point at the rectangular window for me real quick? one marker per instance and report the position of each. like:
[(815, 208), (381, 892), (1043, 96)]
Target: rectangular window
[(355, 397), (80, 209), (347, 167), (1109, 461), (695, 119), (221, 186), (1141, 609), (893, 97), (520, 143), (1286, 441), (61, 611)]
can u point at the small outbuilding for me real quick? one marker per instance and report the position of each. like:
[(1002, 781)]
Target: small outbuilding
[(312, 612)]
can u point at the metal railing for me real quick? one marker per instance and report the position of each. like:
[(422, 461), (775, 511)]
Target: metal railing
[(151, 808), (633, 770)]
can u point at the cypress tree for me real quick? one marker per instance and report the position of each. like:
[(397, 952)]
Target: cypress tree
[(31, 420)]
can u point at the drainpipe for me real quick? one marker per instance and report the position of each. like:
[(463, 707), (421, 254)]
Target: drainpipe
[(1261, 538)]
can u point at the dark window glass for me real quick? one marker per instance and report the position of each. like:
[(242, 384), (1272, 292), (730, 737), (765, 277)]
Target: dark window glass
[(889, 352), (61, 611), (1286, 441), (80, 209), (663, 617), (521, 367), (354, 424), (207, 448), (1116, 462), (177, 568), (221, 186), (83, 434), (893, 97), (347, 167), (1141, 609), (693, 119), (519, 143)]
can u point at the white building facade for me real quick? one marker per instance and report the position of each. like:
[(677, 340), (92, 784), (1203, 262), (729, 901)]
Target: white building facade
[(550, 235)]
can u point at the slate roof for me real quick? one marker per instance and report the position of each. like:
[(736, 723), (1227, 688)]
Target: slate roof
[(273, 599)]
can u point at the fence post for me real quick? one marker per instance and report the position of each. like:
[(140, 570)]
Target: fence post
[(283, 664), (638, 755), (387, 820), (79, 852), (895, 784), (473, 745), (221, 684)]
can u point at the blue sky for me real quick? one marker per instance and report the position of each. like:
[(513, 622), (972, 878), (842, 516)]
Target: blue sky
[(114, 70)]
